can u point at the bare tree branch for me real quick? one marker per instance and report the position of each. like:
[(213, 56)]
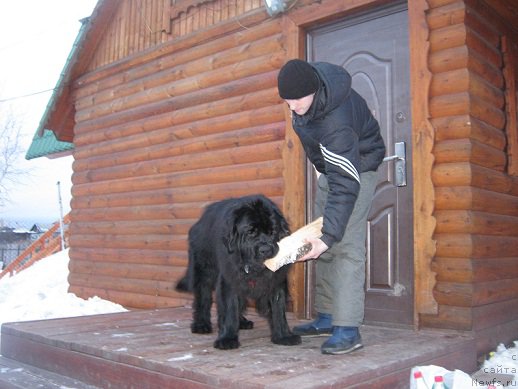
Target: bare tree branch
[(10, 151)]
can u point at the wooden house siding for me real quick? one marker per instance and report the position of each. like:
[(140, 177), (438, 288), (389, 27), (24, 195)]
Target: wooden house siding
[(175, 106), (159, 135), (138, 25), (476, 204)]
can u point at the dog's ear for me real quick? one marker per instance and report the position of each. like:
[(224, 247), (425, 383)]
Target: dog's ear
[(283, 224), (230, 238), (230, 241)]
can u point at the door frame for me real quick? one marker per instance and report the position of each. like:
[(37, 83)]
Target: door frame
[(295, 23)]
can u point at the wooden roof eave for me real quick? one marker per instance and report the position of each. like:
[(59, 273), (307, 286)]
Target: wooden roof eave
[(59, 114)]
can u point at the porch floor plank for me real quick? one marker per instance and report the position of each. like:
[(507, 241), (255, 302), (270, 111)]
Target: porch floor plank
[(16, 375), (156, 349)]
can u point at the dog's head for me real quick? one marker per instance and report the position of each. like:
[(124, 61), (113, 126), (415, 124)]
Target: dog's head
[(256, 227)]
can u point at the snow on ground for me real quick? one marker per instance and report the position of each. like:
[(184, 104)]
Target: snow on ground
[(41, 292)]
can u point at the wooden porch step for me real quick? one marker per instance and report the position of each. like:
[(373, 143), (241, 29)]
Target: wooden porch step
[(17, 375), (156, 349)]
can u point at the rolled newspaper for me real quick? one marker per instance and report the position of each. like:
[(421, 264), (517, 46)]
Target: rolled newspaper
[(293, 246)]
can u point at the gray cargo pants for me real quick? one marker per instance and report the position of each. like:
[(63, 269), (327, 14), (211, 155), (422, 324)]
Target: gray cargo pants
[(340, 271)]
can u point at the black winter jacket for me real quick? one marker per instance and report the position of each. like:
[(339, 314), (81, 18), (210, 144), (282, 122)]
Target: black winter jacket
[(342, 139)]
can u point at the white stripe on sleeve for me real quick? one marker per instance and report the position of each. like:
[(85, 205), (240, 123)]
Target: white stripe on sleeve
[(341, 162)]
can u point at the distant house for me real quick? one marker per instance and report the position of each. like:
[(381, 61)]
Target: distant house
[(13, 240), (170, 105)]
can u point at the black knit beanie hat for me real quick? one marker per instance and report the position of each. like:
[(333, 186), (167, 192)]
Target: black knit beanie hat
[(297, 79)]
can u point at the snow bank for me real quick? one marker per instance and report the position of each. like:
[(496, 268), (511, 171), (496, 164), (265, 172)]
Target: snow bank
[(40, 292)]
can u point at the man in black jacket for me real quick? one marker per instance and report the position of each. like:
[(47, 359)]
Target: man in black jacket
[(342, 139)]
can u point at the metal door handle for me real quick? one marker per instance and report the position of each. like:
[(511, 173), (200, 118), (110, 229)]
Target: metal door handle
[(399, 163)]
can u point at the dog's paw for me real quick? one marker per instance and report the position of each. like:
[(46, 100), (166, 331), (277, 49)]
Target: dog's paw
[(226, 343), (245, 324), (290, 340), (201, 328)]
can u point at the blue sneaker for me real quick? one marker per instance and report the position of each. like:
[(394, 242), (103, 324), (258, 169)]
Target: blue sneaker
[(321, 326), (343, 341)]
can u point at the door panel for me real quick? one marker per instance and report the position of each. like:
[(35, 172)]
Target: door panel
[(373, 47)]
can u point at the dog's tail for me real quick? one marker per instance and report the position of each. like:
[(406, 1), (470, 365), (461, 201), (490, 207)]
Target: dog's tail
[(183, 285)]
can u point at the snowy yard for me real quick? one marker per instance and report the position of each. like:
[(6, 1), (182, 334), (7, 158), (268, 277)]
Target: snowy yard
[(40, 292)]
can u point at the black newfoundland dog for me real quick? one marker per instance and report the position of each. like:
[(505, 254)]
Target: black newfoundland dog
[(227, 248)]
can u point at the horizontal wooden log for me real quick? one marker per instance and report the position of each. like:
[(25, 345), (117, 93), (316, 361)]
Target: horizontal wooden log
[(200, 193), (494, 180), (476, 199), (449, 317), (149, 212), (472, 295), (453, 294), (461, 57), (448, 269), (129, 299), (450, 105), (225, 106), (476, 246), (127, 271), (251, 26), (475, 222), (465, 150), (238, 164), (159, 130), (466, 103), (465, 126), (173, 70), (467, 270), (486, 91), (448, 59), (466, 174), (448, 37), (229, 81), (493, 269), (447, 15), (477, 21), (450, 82), (495, 14), (452, 174), (144, 227), (150, 257), (235, 168), (484, 69), (458, 81), (488, 52), (491, 315), (487, 112), (149, 287), (136, 242), (242, 137)]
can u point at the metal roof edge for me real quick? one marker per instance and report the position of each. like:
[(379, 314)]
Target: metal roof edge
[(46, 145)]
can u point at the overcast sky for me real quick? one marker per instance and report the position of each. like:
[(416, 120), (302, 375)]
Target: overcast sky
[(36, 37)]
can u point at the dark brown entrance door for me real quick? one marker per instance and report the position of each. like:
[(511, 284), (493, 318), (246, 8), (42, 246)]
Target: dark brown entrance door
[(373, 47)]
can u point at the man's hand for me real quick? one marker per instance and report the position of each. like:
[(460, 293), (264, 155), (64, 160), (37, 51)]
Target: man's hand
[(317, 248)]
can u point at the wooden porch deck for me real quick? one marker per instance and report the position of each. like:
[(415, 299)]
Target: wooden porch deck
[(155, 349)]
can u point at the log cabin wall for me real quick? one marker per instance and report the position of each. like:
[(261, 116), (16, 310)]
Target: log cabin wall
[(168, 123), (161, 133), (476, 191)]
